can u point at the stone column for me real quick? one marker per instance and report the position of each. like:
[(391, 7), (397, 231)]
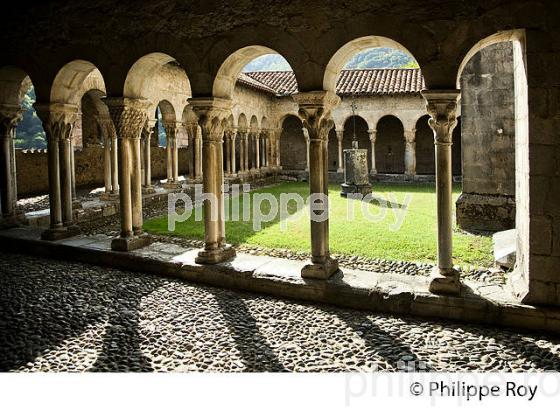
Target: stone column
[(233, 136), (265, 149), (339, 137), (442, 107), (106, 155), (410, 153), (278, 136), (212, 114), (58, 123), (315, 111), (246, 144), (75, 201), (171, 129), (147, 157), (242, 135), (227, 152), (114, 160), (10, 115), (306, 136), (198, 150), (129, 116), (372, 139), (257, 150), (178, 126)]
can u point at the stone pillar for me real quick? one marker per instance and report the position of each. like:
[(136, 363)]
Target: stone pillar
[(176, 155), (246, 143), (372, 139), (114, 160), (306, 136), (58, 123), (233, 136), (129, 116), (339, 137), (148, 131), (197, 153), (410, 153), (257, 150), (106, 154), (278, 136), (242, 138), (171, 129), (212, 114), (315, 111), (10, 115), (227, 152), (75, 202), (442, 107)]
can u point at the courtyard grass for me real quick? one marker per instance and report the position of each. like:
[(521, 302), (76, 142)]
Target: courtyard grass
[(412, 240)]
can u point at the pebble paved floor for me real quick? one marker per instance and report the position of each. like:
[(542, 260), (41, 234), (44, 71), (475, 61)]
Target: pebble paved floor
[(62, 316)]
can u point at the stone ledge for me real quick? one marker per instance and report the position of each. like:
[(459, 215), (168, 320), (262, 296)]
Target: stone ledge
[(389, 293)]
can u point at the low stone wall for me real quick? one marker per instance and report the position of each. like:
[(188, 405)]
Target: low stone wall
[(493, 213), (32, 168)]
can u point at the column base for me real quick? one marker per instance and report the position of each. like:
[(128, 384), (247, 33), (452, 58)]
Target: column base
[(172, 185), (340, 171), (445, 282), (55, 234), (322, 270), (213, 256), (109, 196), (373, 172), (121, 244), (355, 189), (148, 190), (76, 204)]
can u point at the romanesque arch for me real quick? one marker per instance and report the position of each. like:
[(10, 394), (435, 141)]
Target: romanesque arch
[(390, 146), (293, 147), (425, 148)]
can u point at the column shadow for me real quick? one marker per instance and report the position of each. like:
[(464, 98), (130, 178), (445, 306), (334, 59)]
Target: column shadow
[(256, 353)]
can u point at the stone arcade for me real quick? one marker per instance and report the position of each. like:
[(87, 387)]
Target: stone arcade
[(228, 125)]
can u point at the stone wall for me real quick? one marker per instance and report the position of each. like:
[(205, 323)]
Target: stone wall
[(32, 178), (488, 122)]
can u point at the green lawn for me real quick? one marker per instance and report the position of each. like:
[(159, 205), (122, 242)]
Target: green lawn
[(413, 240)]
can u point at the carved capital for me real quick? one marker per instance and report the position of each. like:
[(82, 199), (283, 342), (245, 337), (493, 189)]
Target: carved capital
[(171, 129), (315, 109), (129, 115), (58, 119), (442, 108), (10, 116), (372, 135), (340, 135), (410, 136), (212, 114)]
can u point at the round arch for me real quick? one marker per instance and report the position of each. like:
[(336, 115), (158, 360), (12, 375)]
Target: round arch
[(389, 145), (156, 77), (242, 122), (344, 53), (425, 148), (229, 70), (515, 36), (293, 148), (74, 80)]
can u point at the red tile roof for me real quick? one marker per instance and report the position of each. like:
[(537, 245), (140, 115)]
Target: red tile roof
[(357, 82)]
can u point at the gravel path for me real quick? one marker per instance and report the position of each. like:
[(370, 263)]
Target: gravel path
[(62, 316)]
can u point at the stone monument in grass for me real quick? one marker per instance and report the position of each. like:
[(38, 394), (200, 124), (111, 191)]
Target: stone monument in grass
[(356, 176)]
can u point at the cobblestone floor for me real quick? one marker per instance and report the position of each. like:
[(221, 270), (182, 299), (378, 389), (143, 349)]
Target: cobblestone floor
[(62, 316)]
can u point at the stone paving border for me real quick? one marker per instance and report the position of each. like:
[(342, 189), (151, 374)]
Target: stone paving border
[(389, 293)]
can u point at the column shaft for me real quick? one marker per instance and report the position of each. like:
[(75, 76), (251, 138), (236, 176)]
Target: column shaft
[(66, 179), (136, 185), (339, 136), (107, 162), (442, 106)]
